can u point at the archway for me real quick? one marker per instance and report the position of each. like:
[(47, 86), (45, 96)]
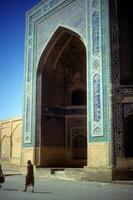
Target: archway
[(128, 136), (61, 101)]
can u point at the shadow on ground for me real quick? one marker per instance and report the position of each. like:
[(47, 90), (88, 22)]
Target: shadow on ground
[(39, 192)]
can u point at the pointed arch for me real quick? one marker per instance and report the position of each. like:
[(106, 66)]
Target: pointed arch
[(61, 70), (58, 37)]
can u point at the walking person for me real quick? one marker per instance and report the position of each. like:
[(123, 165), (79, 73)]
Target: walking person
[(29, 181), (2, 177)]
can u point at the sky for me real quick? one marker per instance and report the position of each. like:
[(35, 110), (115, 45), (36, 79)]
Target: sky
[(12, 34)]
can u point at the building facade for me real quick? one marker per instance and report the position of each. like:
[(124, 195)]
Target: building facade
[(78, 94), (10, 141)]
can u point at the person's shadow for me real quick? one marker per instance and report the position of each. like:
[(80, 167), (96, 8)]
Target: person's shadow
[(37, 191)]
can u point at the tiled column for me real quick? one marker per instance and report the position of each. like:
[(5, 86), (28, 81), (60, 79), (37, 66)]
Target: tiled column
[(99, 85)]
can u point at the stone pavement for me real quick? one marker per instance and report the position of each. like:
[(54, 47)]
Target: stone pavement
[(56, 189)]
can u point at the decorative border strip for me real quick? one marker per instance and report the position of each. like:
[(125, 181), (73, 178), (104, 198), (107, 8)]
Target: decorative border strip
[(114, 43), (98, 69)]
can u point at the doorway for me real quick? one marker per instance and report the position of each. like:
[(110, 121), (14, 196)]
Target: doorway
[(128, 136)]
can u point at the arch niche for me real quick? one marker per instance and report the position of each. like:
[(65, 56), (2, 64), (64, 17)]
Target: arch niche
[(61, 102)]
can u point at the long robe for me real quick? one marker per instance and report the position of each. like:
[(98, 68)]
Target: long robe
[(30, 175)]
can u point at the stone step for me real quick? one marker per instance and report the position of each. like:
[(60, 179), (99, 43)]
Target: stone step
[(82, 174), (62, 173), (122, 174)]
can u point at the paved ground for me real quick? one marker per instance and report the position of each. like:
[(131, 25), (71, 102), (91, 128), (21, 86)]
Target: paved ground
[(55, 189)]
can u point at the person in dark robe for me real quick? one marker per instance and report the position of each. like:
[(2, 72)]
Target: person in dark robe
[(1, 176), (29, 181)]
